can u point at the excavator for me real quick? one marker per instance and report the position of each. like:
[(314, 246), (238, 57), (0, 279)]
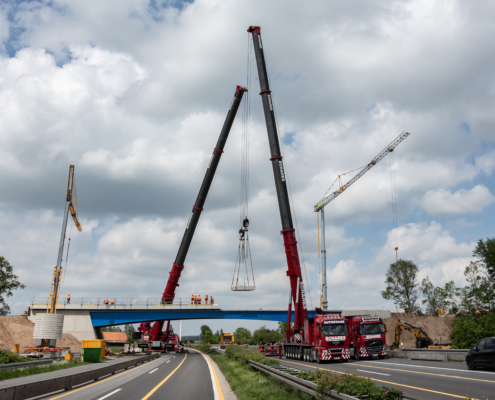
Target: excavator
[(423, 340)]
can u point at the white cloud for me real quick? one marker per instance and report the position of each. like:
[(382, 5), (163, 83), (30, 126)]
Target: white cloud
[(444, 203)]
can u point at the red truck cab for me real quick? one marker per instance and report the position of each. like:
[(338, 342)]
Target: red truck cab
[(367, 336), (332, 341)]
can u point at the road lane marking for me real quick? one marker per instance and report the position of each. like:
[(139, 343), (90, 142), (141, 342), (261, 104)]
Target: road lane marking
[(424, 373), (109, 394), (371, 372), (165, 380), (168, 361), (153, 370), (217, 389), (424, 366), (103, 380), (378, 380)]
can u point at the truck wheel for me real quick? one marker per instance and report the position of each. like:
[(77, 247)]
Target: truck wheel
[(356, 354)]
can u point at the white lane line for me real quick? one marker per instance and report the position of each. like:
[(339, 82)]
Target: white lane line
[(174, 356), (109, 394), (168, 361), (152, 371), (423, 366), (371, 372)]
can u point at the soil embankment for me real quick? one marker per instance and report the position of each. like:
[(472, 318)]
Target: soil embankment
[(438, 328), (19, 330)]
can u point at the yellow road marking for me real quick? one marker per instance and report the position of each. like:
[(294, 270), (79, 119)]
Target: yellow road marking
[(165, 380), (425, 373), (390, 383), (217, 382), (104, 380)]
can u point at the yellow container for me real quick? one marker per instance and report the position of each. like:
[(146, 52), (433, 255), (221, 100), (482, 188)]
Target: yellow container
[(103, 347), (16, 348), (69, 357), (91, 344)]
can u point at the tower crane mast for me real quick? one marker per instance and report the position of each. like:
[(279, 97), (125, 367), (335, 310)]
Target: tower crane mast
[(331, 197)]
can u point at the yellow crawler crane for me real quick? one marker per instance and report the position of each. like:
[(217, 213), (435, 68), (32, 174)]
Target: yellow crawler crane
[(226, 340), (48, 327)]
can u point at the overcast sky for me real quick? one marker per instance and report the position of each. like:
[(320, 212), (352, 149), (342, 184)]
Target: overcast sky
[(134, 94)]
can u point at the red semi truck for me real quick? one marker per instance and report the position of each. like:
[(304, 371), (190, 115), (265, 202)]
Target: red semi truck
[(366, 336), (325, 338)]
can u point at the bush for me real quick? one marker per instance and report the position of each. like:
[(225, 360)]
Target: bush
[(351, 385), (467, 330), (6, 357), (248, 355)]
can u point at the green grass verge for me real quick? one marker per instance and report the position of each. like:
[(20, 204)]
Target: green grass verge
[(248, 383), (116, 349), (19, 372)]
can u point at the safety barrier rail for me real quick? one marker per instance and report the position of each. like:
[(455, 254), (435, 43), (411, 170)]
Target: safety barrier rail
[(119, 302), (24, 364), (288, 376), (41, 387)]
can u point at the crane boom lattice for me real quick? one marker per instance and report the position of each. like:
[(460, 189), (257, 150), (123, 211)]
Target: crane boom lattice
[(323, 202)]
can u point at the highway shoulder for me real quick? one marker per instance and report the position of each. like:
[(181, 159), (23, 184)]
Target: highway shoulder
[(226, 390)]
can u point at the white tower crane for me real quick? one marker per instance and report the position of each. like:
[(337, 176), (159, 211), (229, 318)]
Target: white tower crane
[(327, 199)]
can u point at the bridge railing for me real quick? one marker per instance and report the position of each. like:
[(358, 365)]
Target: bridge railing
[(127, 302)]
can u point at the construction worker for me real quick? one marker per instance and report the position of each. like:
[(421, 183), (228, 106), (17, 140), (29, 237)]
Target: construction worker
[(211, 300), (206, 299), (192, 299), (199, 299), (260, 346), (196, 299), (68, 298), (106, 301), (111, 302)]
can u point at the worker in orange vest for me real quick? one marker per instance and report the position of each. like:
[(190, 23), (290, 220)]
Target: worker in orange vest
[(206, 299), (106, 301), (111, 302), (192, 299), (68, 298), (211, 299), (199, 299), (260, 346)]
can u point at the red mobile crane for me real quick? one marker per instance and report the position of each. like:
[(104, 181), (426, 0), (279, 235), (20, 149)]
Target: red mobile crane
[(323, 337), (154, 333)]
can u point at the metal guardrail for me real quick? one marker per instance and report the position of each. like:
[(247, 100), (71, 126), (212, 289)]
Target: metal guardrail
[(38, 388), (433, 351), (24, 364), (154, 301)]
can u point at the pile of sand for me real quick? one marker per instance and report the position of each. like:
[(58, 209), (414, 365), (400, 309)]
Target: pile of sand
[(19, 330), (438, 328)]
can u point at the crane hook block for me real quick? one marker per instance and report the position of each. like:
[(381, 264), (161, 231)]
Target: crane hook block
[(245, 223), (241, 233)]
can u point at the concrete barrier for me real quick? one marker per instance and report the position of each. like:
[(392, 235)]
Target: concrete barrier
[(431, 355)]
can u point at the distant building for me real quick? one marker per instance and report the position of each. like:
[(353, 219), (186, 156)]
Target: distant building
[(115, 338)]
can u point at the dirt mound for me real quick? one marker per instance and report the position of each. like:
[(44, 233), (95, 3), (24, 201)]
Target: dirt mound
[(438, 328), (19, 330)]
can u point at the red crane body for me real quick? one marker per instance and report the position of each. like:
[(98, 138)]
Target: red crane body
[(154, 333)]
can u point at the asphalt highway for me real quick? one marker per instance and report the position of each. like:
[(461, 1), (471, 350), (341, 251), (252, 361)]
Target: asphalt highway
[(421, 380), (174, 376)]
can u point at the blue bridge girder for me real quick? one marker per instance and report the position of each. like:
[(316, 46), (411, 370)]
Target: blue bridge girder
[(109, 318)]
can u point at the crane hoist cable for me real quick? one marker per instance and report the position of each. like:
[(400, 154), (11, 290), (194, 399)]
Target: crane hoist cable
[(243, 280)]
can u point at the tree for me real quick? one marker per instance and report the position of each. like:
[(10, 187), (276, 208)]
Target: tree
[(402, 285), (265, 335), (485, 252), (436, 297), (480, 293), (8, 283), (282, 327), (467, 330), (111, 329), (204, 329), (242, 335)]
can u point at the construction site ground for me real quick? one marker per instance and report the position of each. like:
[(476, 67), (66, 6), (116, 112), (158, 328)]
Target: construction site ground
[(19, 330), (438, 328)]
